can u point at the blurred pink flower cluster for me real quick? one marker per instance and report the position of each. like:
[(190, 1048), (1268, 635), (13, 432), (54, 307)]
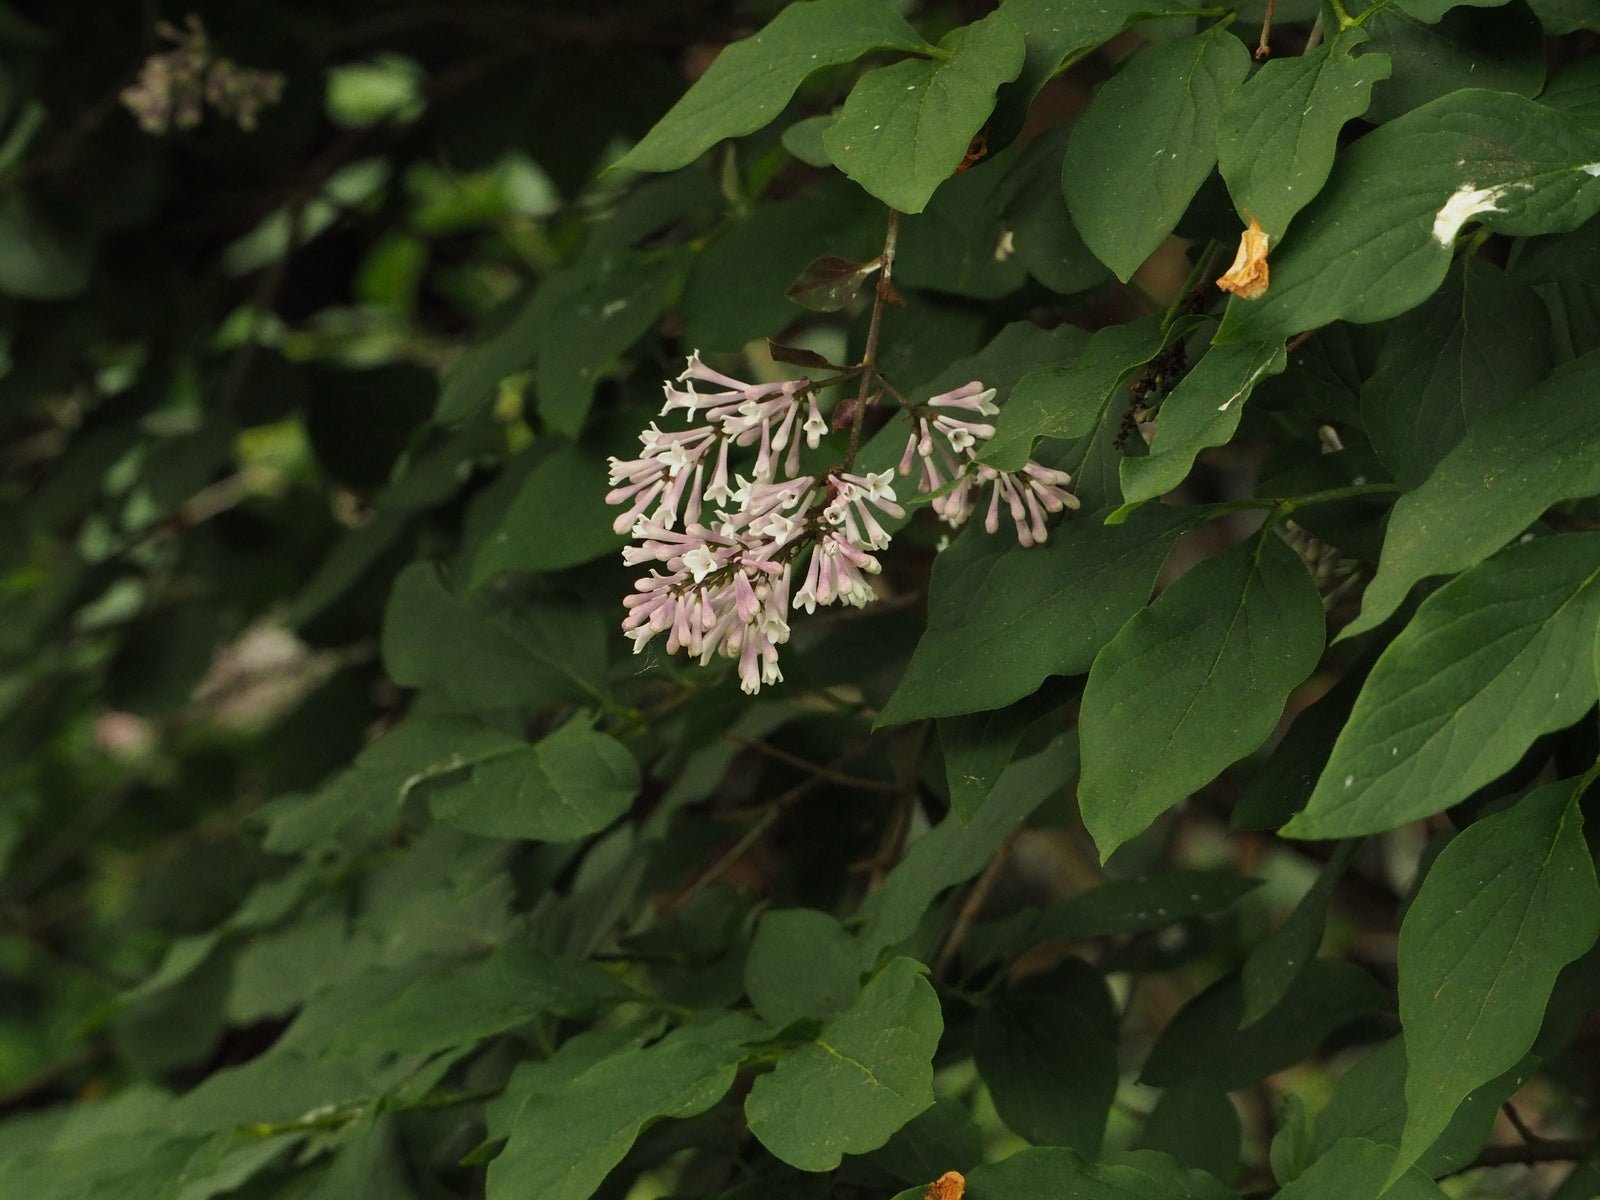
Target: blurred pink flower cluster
[(725, 548)]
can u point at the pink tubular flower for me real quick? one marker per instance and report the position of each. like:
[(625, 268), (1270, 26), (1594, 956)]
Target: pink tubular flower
[(724, 547), (946, 448)]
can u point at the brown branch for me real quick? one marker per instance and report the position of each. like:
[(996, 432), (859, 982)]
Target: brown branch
[(883, 294), (1264, 46), (977, 896)]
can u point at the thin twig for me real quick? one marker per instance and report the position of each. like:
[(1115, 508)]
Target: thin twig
[(1520, 1125), (1264, 46), (869, 355), (973, 905)]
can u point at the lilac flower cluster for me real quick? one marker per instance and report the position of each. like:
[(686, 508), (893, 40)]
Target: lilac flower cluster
[(725, 548)]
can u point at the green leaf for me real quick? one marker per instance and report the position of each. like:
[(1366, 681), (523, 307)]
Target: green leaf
[(1057, 36), (1204, 1040), (565, 1141), (1278, 134), (957, 243), (39, 258), (1147, 142), (1034, 213), (802, 965), (751, 81), (1479, 342), (1500, 49), (558, 518), (466, 1002), (1369, 1102), (1136, 905), (868, 1072), (1433, 10), (570, 784), (1283, 954), (952, 852), (1203, 410), (943, 1138), (1355, 1167), (1194, 683), (1492, 660), (1061, 1174), (1047, 1050), (905, 128), (1197, 1125), (1066, 400), (1513, 463), (736, 286), (1503, 908), (977, 748), (1378, 238), (1565, 16), (591, 317), (1289, 1153), (432, 639), (1002, 619)]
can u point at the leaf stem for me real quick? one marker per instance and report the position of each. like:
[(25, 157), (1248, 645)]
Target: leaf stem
[(869, 355)]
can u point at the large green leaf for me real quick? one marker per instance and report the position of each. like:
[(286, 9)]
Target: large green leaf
[(1278, 134), (1062, 1174), (1147, 142), (434, 640), (1281, 956), (952, 852), (1193, 683), (1047, 1050), (571, 783), (1500, 50), (558, 518), (1379, 236), (40, 259), (867, 1073), (465, 1002), (1479, 342), (1196, 1124), (905, 128), (1503, 908), (1356, 1167), (1203, 410), (1512, 464), (1002, 619), (1066, 400), (564, 1141), (802, 964), (1491, 661), (1369, 1102), (1204, 1041), (1135, 905), (751, 81)]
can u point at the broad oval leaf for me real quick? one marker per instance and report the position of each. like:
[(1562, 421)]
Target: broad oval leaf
[(1378, 238), (1047, 1050), (1193, 683), (1147, 142), (1203, 410), (1494, 659), (1512, 465), (905, 128), (1204, 1040), (802, 964), (1479, 342), (572, 783), (867, 1073), (1002, 619), (1503, 908), (565, 1141), (751, 81), (1066, 400), (1278, 133), (1280, 957), (1355, 1167)]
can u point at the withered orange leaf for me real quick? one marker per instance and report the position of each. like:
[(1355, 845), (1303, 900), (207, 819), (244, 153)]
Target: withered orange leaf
[(952, 1185), (1247, 278)]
